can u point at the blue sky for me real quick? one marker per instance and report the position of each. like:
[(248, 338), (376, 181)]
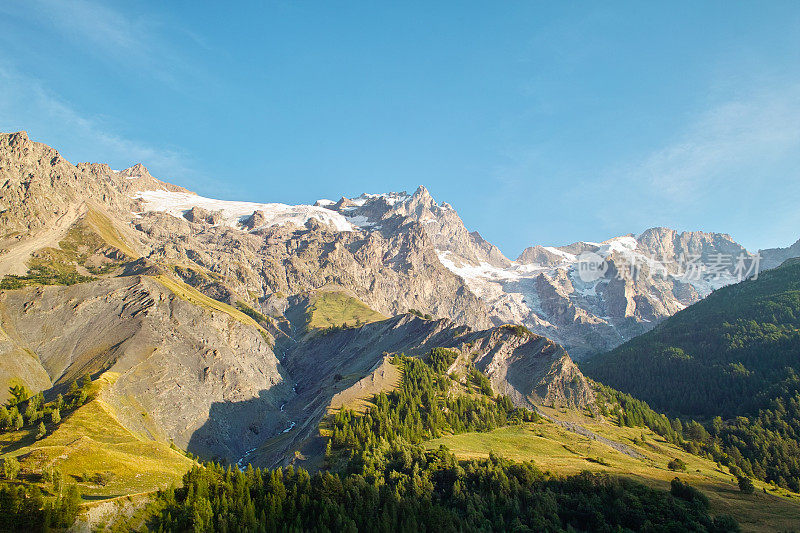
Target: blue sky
[(542, 123)]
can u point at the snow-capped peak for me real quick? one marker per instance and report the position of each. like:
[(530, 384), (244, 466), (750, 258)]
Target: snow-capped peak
[(391, 198), (234, 213), (625, 244)]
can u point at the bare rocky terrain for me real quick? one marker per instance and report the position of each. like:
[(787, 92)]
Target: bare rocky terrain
[(645, 277), (199, 308), (199, 305), (175, 358)]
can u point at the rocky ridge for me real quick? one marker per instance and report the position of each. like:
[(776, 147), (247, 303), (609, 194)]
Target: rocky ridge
[(178, 293), (189, 301), (645, 278)]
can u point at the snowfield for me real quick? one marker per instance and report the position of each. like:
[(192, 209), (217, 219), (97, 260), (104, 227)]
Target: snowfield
[(551, 297), (513, 294), (234, 213)]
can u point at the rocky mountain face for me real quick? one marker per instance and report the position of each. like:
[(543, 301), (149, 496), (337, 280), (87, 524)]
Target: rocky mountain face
[(590, 297), (175, 358), (192, 303), (528, 368), (587, 296), (774, 257)]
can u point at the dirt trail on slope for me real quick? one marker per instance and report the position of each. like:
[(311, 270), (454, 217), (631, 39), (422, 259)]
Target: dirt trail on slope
[(580, 430), (14, 259), (576, 428)]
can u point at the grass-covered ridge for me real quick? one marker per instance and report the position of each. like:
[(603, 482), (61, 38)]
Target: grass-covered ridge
[(91, 448), (427, 404), (92, 246), (334, 309), (732, 361), (561, 452), (259, 317), (190, 294), (108, 232), (391, 483)]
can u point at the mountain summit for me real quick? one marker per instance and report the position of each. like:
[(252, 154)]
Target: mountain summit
[(221, 324)]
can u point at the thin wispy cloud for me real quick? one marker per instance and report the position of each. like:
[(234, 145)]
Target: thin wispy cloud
[(723, 140), (122, 44), (126, 42), (91, 22), (26, 105), (733, 167), (725, 154)]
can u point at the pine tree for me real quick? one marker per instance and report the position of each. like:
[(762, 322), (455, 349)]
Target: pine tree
[(58, 480), (31, 413), (10, 468), (745, 485), (5, 417), (18, 394)]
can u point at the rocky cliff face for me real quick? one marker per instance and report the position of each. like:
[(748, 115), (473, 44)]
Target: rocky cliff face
[(394, 251), (38, 186), (156, 280), (176, 359), (530, 369), (441, 223), (391, 271), (254, 249), (190, 299), (774, 257), (591, 297), (644, 278)]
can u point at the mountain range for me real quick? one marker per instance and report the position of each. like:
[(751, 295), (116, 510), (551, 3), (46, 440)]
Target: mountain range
[(645, 280), (735, 355), (231, 331), (201, 307)]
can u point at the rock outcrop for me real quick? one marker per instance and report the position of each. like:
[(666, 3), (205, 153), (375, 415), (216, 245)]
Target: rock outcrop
[(189, 300), (528, 368), (774, 257), (175, 359)]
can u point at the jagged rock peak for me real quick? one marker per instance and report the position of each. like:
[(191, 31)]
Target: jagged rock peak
[(661, 234), (20, 144), (422, 192), (773, 257), (137, 170), (18, 137)]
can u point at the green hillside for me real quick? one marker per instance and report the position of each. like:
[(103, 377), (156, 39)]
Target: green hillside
[(91, 448), (333, 309), (383, 476), (69, 455), (734, 355)]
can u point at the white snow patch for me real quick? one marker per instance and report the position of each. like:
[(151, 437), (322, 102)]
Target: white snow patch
[(360, 221), (623, 245), (177, 203), (561, 253), (390, 198), (473, 272)]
